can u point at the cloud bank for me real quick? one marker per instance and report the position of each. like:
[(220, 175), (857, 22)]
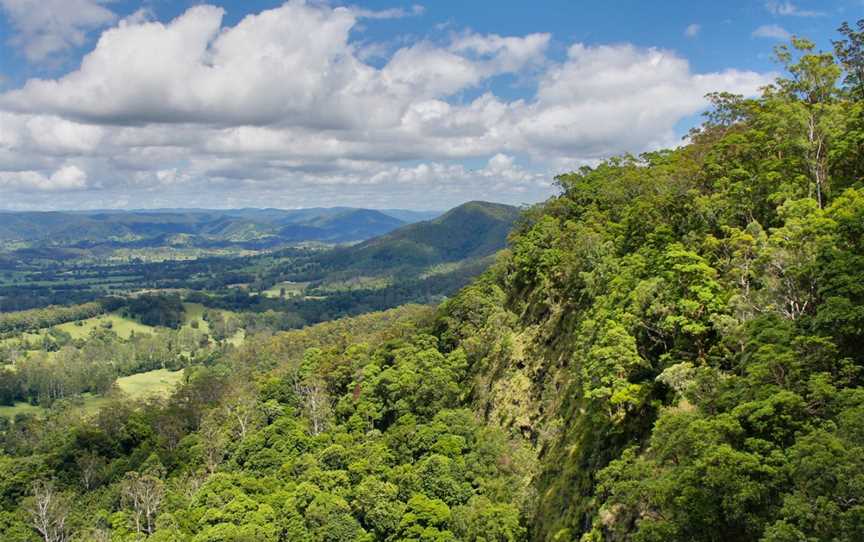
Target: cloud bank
[(281, 109)]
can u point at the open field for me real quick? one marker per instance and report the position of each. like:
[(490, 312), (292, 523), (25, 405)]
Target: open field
[(80, 329), (19, 408), (195, 313), (292, 289), (123, 327), (160, 382)]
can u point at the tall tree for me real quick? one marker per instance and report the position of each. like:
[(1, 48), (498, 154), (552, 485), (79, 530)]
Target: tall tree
[(49, 511)]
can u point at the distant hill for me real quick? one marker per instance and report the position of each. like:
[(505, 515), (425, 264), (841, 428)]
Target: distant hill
[(348, 225), (470, 231), (411, 216), (198, 227), (474, 229)]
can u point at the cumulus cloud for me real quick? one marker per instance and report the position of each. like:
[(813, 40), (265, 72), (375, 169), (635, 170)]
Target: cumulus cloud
[(44, 27), (772, 31), (610, 99), (282, 107), (692, 30), (291, 66), (66, 178)]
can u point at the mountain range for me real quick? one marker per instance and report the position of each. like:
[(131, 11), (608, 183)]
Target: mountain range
[(200, 227)]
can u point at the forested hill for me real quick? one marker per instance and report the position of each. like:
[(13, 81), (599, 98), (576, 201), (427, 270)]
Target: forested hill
[(672, 349), (468, 232), (476, 228), (680, 335)]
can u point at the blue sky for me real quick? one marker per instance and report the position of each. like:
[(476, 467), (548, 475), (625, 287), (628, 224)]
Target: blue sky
[(379, 104)]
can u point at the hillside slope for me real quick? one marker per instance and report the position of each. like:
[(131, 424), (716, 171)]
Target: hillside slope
[(472, 230), (681, 335)]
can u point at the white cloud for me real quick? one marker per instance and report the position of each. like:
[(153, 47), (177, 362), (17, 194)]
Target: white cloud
[(772, 31), (281, 107), (44, 27), (610, 99), (292, 65), (692, 30), (789, 9), (64, 179)]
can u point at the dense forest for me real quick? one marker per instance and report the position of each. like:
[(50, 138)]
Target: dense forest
[(670, 349)]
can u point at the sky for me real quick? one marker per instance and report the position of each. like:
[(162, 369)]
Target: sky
[(378, 104)]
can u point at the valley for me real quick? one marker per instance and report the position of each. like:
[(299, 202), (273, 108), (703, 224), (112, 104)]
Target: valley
[(137, 324)]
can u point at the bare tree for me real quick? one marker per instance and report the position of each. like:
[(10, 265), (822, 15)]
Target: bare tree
[(143, 494), (316, 404), (242, 407), (90, 468), (48, 512), (212, 443)]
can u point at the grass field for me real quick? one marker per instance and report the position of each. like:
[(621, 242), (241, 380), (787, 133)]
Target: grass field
[(19, 408), (195, 312), (123, 327), (80, 329), (160, 382), (292, 289)]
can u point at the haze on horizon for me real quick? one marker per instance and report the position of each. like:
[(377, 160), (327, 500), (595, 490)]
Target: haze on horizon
[(135, 104)]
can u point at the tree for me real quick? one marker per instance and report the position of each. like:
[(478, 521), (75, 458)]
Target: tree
[(812, 90), (143, 494), (426, 520), (850, 54), (316, 404), (90, 469), (212, 440), (242, 407), (49, 511)]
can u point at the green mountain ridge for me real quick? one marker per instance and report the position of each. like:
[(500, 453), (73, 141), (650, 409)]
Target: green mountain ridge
[(202, 226), (471, 230)]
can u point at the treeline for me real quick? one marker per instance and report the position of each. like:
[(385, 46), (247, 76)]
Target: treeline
[(62, 282), (36, 319), (27, 297), (163, 310), (93, 364)]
